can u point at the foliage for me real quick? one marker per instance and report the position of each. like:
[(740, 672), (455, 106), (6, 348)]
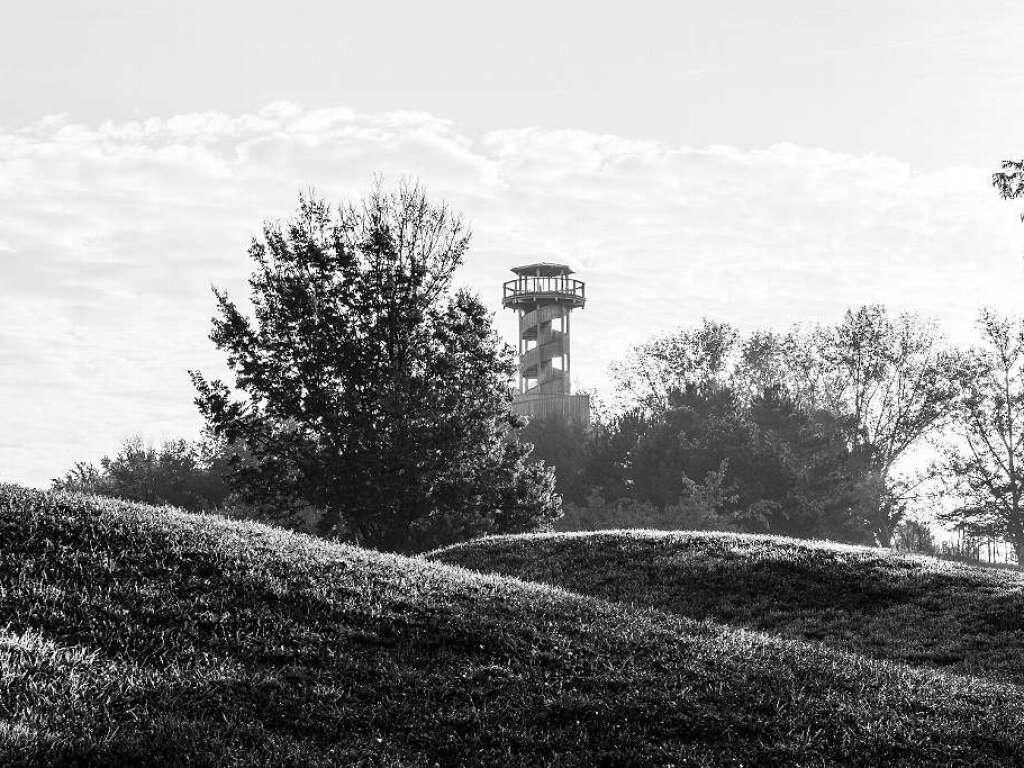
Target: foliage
[(371, 391), (181, 473), (652, 371), (914, 536), (818, 490), (884, 382), (892, 376), (607, 468), (1009, 182), (141, 636), (908, 609), (983, 463), (775, 467), (700, 507), (564, 446)]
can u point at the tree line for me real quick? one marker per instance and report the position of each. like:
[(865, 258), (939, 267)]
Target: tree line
[(368, 397), (371, 399), (831, 431)]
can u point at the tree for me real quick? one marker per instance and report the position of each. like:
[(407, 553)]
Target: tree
[(1009, 182), (710, 457), (789, 471), (887, 378), (606, 466), (181, 473), (893, 378), (985, 464), (655, 369), (788, 362), (698, 431), (883, 382), (819, 491), (563, 446), (369, 389), (914, 536)]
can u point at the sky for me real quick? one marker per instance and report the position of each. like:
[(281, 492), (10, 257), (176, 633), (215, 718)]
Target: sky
[(761, 163)]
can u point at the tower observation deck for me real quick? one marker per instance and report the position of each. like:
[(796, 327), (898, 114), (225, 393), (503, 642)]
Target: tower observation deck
[(544, 296)]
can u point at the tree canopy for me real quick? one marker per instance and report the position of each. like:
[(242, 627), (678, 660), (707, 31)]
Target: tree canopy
[(983, 463), (854, 398), (181, 473), (366, 387)]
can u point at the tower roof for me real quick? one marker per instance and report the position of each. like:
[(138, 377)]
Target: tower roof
[(543, 269)]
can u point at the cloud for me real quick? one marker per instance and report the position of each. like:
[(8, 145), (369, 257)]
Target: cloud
[(113, 233)]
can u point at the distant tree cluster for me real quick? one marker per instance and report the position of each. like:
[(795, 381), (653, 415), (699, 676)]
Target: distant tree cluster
[(373, 398), (797, 433), (181, 473), (711, 461), (807, 432), (982, 465)]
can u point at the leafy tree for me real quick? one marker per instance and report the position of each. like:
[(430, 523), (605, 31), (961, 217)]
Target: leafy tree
[(855, 399), (767, 465), (689, 439), (562, 445), (893, 378), (1009, 182), (181, 473), (888, 378), (369, 389), (914, 536), (788, 361), (653, 370), (819, 491), (790, 471), (985, 463), (609, 453)]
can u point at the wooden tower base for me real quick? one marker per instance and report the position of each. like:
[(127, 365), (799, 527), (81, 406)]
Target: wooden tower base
[(573, 408)]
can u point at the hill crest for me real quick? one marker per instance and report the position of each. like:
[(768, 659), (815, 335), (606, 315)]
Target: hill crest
[(136, 633)]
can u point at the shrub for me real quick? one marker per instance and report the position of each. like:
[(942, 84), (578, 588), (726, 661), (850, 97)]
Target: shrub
[(180, 473)]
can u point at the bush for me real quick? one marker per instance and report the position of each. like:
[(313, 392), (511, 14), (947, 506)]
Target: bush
[(702, 507), (180, 473)]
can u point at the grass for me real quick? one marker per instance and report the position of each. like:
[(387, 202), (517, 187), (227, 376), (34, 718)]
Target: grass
[(911, 609), (136, 635)]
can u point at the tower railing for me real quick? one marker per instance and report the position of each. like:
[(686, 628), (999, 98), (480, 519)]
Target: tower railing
[(529, 288)]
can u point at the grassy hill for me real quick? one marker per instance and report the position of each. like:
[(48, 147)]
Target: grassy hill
[(870, 601), (134, 635)]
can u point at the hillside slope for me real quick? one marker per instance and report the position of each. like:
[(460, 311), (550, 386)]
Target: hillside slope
[(910, 609), (135, 635)]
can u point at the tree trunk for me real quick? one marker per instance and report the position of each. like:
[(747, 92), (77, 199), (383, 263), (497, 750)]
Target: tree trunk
[(877, 508), (1018, 550)]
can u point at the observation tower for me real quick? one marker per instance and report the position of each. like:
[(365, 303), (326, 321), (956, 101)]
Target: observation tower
[(544, 296)]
